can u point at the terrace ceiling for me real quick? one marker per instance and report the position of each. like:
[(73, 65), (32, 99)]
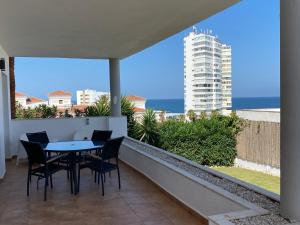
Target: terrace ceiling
[(96, 28)]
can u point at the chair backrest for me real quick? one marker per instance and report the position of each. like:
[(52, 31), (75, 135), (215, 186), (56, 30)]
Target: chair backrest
[(101, 135), (39, 137), (111, 148), (34, 152)]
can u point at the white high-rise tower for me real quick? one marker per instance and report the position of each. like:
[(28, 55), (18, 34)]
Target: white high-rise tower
[(207, 73)]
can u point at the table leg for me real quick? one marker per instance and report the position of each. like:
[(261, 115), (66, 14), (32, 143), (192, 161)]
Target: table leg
[(74, 173), (79, 157)]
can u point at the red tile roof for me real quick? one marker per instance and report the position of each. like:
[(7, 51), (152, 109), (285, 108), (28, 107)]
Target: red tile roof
[(32, 100), (60, 93), (135, 98), (19, 94)]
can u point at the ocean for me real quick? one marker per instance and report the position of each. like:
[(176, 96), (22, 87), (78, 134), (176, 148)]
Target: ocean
[(177, 105)]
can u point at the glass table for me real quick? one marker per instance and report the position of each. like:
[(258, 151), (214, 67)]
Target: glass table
[(74, 149)]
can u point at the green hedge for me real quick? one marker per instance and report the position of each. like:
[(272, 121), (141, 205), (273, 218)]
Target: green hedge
[(208, 141)]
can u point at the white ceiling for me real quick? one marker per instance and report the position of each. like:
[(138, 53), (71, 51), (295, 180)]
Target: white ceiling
[(96, 28)]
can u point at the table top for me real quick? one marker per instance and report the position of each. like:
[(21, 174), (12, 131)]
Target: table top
[(72, 146)]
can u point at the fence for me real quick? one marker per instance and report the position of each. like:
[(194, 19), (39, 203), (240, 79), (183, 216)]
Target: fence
[(259, 142)]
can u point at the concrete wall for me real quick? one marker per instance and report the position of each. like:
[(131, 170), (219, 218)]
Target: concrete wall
[(4, 112), (62, 129), (268, 115), (197, 194)]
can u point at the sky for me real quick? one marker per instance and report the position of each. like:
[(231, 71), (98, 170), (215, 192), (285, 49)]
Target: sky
[(251, 27)]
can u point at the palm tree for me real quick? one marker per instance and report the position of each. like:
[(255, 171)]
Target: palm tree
[(100, 108), (127, 109), (149, 129), (12, 87), (191, 115)]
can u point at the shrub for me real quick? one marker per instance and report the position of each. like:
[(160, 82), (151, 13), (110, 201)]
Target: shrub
[(209, 141), (102, 108), (148, 128)]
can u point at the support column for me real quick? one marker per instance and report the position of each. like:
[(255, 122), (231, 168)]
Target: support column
[(115, 90), (290, 108)]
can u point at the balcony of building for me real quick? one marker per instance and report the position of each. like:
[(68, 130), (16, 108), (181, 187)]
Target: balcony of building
[(114, 30)]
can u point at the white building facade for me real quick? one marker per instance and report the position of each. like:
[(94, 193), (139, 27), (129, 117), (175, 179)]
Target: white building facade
[(89, 97), (21, 99), (60, 99), (203, 73), (226, 77), (29, 101)]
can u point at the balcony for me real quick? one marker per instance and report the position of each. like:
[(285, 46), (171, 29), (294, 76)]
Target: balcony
[(100, 30), (157, 188)]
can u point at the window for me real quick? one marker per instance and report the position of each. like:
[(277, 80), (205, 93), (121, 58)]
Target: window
[(60, 102)]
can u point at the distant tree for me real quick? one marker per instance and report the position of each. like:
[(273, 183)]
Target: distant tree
[(67, 114), (78, 113), (191, 115), (24, 113), (181, 117), (44, 111), (215, 114), (203, 115)]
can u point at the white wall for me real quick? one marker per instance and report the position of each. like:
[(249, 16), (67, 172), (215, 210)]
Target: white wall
[(199, 195), (139, 104), (62, 129), (54, 100), (4, 111), (269, 115)]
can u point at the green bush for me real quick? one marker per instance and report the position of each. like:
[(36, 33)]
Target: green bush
[(209, 141)]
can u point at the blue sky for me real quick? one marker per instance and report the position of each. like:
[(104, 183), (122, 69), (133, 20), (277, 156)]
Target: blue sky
[(251, 27)]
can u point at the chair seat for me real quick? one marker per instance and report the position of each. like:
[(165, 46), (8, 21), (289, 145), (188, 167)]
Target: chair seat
[(52, 168)]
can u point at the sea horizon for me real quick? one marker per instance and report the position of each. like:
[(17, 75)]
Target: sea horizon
[(176, 105)]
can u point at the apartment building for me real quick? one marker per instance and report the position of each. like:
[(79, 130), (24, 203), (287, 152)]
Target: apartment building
[(226, 77), (89, 97), (204, 57)]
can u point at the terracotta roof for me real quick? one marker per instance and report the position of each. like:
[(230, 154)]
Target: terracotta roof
[(60, 93), (32, 100), (19, 94), (138, 109), (135, 98)]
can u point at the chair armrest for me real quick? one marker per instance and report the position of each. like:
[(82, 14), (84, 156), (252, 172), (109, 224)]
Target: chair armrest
[(94, 156)]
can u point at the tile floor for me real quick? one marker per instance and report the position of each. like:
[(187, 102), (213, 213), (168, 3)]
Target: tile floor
[(139, 202)]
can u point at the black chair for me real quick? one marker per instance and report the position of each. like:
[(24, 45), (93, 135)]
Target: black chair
[(39, 137), (42, 138), (44, 168), (101, 135), (102, 164)]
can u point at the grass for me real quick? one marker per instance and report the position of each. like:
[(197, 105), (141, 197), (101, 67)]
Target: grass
[(262, 180)]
